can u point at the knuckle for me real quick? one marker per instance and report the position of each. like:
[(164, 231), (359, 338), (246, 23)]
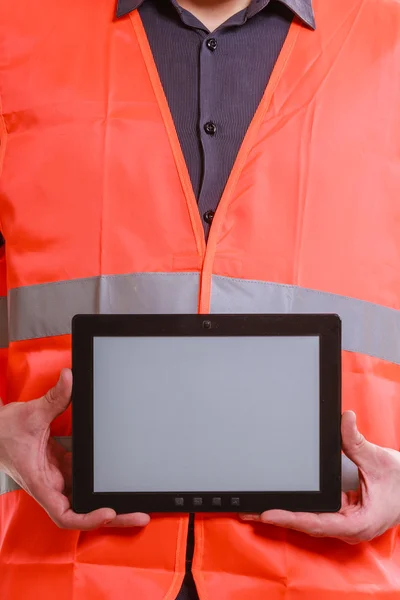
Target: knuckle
[(59, 522), (317, 532), (50, 396), (351, 541), (366, 536), (363, 534), (360, 441)]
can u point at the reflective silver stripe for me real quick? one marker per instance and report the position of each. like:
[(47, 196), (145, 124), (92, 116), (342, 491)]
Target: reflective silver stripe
[(3, 322), (7, 484), (46, 310), (367, 328)]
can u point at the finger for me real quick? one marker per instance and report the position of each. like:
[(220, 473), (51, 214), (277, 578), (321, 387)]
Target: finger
[(354, 444), (130, 520), (349, 504), (1, 403), (317, 525), (57, 399), (90, 521), (59, 510)]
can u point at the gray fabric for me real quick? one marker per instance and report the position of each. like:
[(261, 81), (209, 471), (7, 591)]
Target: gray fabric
[(367, 328), (7, 484), (3, 322), (350, 476), (65, 442), (46, 310)]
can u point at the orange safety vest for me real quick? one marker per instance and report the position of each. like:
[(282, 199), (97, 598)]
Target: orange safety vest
[(98, 215)]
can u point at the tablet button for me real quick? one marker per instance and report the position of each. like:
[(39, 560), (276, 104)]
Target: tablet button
[(179, 502), (197, 501), (235, 501), (216, 502)]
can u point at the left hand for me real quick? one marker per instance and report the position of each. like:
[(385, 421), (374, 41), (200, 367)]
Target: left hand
[(366, 513)]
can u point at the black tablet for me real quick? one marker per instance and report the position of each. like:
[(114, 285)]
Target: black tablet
[(220, 413)]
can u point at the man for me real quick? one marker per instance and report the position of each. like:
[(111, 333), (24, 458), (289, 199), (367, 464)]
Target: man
[(206, 155)]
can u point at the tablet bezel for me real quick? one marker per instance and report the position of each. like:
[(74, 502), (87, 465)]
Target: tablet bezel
[(86, 327)]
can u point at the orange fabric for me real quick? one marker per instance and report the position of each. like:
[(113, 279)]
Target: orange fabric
[(3, 272), (312, 201), (172, 134), (38, 560)]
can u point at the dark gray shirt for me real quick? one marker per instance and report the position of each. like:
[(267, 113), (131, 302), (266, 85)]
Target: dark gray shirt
[(213, 83)]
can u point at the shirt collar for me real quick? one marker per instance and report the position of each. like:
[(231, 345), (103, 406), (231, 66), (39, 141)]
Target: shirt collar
[(301, 8)]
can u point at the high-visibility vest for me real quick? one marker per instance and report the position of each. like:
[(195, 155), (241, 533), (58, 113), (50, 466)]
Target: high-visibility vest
[(99, 215)]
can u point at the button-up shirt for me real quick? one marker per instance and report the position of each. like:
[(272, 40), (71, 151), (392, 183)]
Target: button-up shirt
[(214, 81)]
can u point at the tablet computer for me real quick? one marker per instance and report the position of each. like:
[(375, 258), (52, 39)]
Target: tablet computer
[(219, 413)]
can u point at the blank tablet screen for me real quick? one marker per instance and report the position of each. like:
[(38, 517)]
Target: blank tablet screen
[(187, 414)]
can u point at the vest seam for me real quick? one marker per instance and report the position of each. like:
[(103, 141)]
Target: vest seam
[(172, 134), (172, 593), (197, 567), (282, 581), (3, 143)]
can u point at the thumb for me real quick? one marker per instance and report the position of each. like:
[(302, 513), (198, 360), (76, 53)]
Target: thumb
[(354, 444), (57, 399)]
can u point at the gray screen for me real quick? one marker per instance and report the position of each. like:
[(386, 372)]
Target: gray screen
[(189, 414)]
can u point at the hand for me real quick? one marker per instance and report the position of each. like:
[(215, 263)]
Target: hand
[(42, 467), (365, 514)]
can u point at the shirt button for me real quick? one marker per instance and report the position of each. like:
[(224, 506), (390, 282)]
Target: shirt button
[(212, 44), (210, 128), (208, 216)]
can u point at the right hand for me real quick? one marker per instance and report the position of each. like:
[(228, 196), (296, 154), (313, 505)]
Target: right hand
[(42, 467)]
